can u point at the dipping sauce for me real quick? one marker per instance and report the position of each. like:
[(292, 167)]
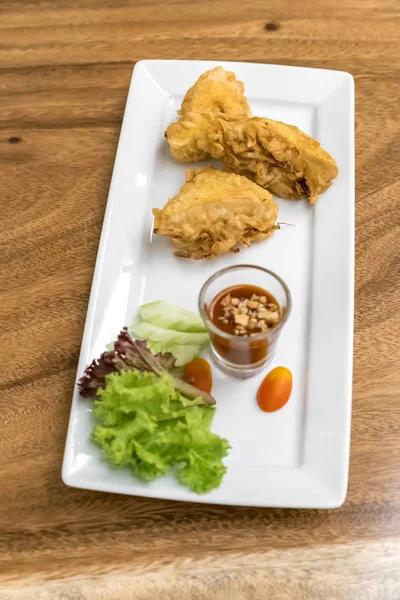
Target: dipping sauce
[(246, 312)]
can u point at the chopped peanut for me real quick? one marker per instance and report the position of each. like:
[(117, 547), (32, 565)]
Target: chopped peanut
[(249, 317), (226, 301), (262, 314), (272, 318), (242, 319), (252, 304)]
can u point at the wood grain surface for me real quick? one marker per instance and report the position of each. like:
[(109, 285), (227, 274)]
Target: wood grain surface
[(64, 74)]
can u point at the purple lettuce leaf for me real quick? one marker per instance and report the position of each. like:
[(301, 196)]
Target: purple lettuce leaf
[(129, 355)]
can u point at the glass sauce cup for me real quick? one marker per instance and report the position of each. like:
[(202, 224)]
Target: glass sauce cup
[(244, 357)]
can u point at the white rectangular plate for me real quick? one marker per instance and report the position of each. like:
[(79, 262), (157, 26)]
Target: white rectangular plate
[(298, 456)]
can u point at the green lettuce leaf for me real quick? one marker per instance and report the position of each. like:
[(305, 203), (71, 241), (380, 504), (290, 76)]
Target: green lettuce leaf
[(169, 337), (170, 316), (183, 353), (147, 425), (169, 328)]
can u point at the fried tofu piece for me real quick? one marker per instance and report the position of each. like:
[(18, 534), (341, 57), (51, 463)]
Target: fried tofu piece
[(275, 155), (214, 213), (216, 93)]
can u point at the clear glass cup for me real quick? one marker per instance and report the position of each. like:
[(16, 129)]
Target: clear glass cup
[(244, 357)]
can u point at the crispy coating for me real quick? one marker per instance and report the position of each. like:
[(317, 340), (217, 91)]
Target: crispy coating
[(214, 213), (216, 93), (274, 155), (277, 156)]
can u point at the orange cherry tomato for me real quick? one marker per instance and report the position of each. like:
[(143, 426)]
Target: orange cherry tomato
[(200, 374), (275, 389)]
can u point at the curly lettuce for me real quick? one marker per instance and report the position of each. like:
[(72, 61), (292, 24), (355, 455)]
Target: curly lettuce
[(146, 424)]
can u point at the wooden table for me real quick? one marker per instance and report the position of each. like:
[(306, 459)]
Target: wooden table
[(65, 70)]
